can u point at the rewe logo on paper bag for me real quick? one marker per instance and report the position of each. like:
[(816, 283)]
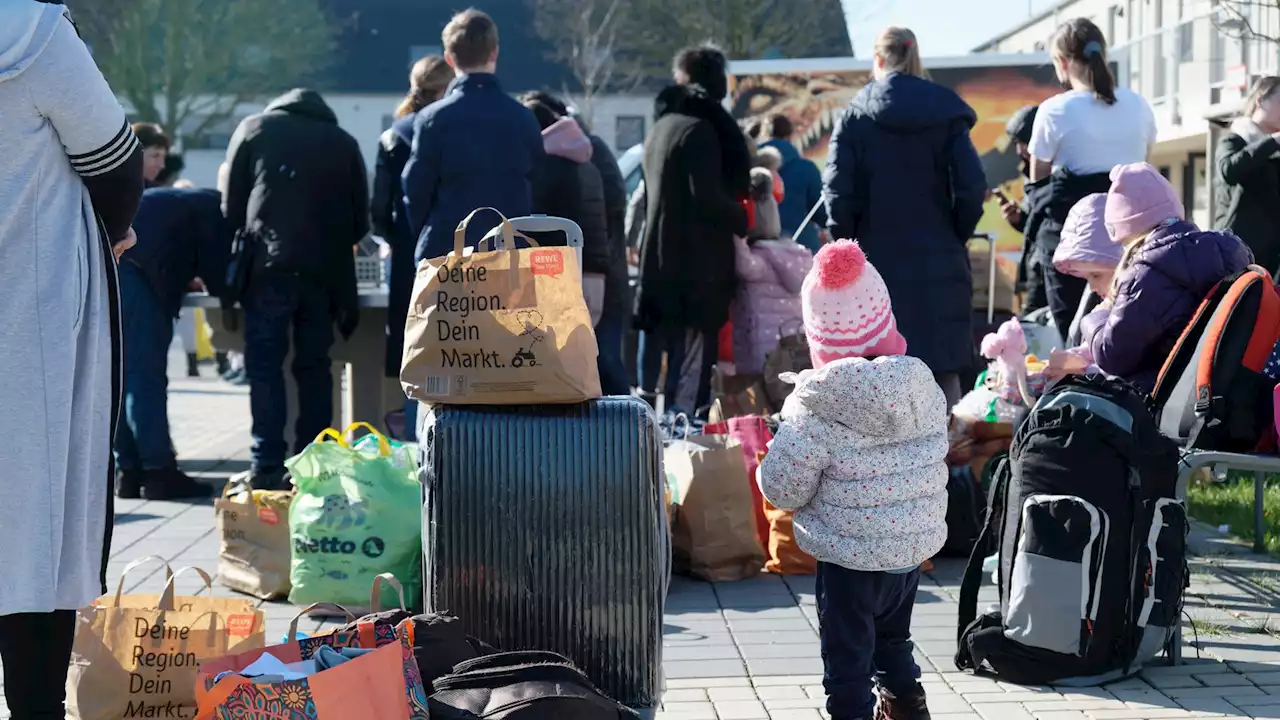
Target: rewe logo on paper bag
[(547, 262)]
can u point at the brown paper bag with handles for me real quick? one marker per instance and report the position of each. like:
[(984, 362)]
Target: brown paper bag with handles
[(713, 533), (255, 553), (137, 655), (508, 326)]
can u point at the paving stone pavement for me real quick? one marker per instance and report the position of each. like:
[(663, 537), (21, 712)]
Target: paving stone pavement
[(749, 650)]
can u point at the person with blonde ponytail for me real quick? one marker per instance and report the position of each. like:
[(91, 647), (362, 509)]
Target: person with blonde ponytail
[(428, 80), (904, 180)]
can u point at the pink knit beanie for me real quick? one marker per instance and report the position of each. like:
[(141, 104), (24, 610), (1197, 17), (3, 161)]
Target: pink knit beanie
[(1140, 200), (846, 307)]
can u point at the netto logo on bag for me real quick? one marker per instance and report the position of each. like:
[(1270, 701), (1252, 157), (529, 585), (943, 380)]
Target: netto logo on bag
[(372, 547)]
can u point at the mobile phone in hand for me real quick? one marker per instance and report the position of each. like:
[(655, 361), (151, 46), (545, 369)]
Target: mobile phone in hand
[(1000, 195)]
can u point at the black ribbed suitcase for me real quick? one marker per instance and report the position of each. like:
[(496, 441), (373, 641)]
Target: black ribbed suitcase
[(543, 528)]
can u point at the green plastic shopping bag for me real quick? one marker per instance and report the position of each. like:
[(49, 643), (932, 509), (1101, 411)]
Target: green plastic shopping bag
[(356, 515)]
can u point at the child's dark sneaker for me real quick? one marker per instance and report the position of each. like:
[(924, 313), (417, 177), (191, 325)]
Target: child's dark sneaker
[(193, 365), (909, 707), (128, 484)]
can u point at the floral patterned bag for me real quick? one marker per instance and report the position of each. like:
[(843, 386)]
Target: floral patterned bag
[(380, 685)]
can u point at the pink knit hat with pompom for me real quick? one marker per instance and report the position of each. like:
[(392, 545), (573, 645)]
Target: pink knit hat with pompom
[(846, 307)]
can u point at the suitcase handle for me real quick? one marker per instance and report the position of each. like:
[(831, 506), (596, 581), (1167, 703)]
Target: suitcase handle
[(991, 273), (548, 223)]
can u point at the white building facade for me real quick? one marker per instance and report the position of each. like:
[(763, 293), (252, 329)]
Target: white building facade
[(1192, 59), (620, 120)]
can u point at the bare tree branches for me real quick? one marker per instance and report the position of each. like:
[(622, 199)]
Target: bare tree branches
[(1243, 19), (189, 63), (615, 43), (584, 36)]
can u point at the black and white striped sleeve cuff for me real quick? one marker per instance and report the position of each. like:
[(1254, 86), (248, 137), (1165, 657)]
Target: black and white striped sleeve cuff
[(109, 156)]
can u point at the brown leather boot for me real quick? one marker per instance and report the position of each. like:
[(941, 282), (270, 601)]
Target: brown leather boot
[(892, 707)]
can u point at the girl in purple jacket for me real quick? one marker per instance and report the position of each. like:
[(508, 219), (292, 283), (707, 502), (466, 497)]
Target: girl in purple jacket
[(1168, 267)]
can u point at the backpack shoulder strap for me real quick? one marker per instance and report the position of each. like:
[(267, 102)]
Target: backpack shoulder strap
[(972, 582)]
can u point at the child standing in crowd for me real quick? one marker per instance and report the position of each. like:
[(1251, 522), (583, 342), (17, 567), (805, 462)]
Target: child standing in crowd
[(1168, 267), (860, 457), (771, 271)]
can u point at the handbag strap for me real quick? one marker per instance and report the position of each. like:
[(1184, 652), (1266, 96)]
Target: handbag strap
[(460, 234)]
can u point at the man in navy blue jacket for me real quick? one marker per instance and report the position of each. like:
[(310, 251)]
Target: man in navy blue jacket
[(181, 235), (803, 182), (475, 147)]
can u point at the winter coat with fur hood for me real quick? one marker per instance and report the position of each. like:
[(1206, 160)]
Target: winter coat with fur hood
[(861, 457)]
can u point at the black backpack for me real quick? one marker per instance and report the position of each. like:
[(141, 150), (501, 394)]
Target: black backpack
[(527, 685), (1092, 543)]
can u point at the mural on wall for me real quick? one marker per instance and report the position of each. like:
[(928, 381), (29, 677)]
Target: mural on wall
[(815, 100)]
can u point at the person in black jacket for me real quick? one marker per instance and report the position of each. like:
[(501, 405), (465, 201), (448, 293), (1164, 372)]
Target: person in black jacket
[(297, 186), (615, 318), (697, 174), (1030, 279), (181, 235), (567, 185), (427, 82), (1248, 167), (912, 225)]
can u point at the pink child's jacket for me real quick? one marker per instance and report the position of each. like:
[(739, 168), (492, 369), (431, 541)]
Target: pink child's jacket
[(771, 274)]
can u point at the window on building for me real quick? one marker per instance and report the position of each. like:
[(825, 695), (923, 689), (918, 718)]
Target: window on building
[(1187, 42), (1160, 74), (628, 131), (417, 52), (1131, 19)]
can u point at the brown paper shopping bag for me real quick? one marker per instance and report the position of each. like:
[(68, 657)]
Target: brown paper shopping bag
[(503, 327), (137, 655), (714, 529), (255, 553)]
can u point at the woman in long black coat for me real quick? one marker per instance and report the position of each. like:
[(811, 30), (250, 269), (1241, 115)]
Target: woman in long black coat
[(1248, 167), (905, 181)]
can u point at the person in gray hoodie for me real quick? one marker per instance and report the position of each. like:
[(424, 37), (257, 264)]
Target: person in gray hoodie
[(70, 180)]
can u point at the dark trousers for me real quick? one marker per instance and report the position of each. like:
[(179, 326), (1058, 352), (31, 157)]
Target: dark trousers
[(277, 304), (676, 342), (142, 436), (1064, 293), (950, 384), (35, 649), (613, 371), (864, 623)]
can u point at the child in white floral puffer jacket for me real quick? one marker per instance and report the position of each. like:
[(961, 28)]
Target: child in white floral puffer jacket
[(860, 458)]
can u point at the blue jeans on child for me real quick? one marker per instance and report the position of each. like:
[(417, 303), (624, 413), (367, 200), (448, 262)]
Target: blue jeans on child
[(864, 621), (142, 436)]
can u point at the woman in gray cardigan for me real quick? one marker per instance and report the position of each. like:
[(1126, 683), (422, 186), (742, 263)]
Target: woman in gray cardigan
[(70, 180)]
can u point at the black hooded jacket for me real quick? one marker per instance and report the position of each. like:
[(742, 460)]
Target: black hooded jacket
[(697, 170), (297, 182), (617, 296), (905, 181)]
